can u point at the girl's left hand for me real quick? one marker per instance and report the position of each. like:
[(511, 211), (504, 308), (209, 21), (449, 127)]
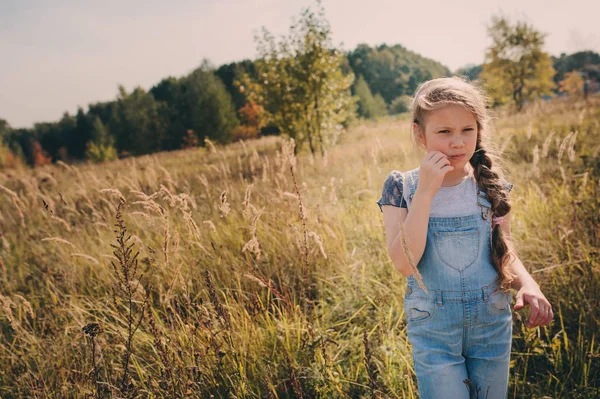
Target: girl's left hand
[(541, 310)]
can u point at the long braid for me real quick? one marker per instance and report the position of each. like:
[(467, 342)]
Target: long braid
[(489, 181)]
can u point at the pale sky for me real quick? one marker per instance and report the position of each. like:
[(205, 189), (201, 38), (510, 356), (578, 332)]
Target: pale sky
[(56, 55)]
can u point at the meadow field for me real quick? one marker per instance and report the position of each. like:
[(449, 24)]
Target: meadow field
[(246, 272)]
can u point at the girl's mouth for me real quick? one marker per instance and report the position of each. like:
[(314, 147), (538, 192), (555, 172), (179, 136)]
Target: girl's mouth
[(456, 157)]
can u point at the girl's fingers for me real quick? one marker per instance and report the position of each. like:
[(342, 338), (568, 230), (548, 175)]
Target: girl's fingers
[(442, 162), (535, 311), (431, 155), (443, 158), (447, 168), (546, 319), (542, 315), (436, 157), (550, 315)]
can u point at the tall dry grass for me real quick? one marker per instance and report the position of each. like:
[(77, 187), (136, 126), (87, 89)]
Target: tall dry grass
[(246, 272)]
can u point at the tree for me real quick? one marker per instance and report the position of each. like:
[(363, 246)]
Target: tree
[(400, 105), (253, 120), (470, 71), (274, 87), (329, 102), (168, 92), (516, 69), (393, 71), (369, 106), (572, 84), (206, 106), (229, 73), (101, 147), (81, 134), (4, 129), (301, 84), (7, 158), (40, 157), (588, 62), (190, 140), (197, 104), (54, 137), (138, 122)]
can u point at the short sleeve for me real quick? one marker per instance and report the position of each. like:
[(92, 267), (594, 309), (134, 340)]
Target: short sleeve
[(391, 194)]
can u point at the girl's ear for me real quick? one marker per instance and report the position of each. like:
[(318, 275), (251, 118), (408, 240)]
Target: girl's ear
[(419, 135)]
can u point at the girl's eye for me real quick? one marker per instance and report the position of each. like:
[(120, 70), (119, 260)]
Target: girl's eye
[(444, 131), (469, 129)]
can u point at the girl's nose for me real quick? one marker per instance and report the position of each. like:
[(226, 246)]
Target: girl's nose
[(457, 143)]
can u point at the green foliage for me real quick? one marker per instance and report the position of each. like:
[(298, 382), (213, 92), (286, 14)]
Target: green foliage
[(81, 134), (100, 134), (369, 106), (138, 122), (303, 87), (206, 106), (101, 147), (229, 73), (53, 136), (4, 129), (300, 83), (100, 153), (585, 61), (135, 123), (7, 158), (516, 68), (169, 92), (472, 72), (5, 153), (572, 84), (20, 141), (400, 105), (393, 71), (198, 102)]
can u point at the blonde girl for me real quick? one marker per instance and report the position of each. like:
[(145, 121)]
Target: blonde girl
[(447, 227)]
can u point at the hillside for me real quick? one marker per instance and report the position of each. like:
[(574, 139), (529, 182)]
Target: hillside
[(393, 71)]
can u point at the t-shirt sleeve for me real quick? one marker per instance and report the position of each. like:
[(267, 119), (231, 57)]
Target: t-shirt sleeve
[(391, 194)]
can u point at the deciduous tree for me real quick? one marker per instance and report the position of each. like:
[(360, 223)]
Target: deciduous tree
[(300, 83), (516, 69)]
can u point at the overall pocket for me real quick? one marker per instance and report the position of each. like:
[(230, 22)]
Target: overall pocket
[(500, 301), (417, 307), (457, 249)]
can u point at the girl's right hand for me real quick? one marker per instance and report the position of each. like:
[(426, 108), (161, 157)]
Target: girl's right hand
[(433, 168)]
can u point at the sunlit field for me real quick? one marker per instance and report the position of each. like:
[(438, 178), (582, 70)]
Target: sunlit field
[(246, 272)]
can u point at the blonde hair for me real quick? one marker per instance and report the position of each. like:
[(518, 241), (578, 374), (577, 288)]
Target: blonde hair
[(437, 93)]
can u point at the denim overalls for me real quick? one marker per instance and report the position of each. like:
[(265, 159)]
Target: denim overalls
[(462, 329)]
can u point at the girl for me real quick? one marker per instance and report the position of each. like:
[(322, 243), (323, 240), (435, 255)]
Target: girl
[(448, 231)]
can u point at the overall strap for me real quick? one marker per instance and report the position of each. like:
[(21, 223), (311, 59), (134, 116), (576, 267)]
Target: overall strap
[(484, 204)]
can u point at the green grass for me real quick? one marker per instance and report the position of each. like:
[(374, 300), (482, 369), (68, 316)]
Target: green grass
[(238, 296)]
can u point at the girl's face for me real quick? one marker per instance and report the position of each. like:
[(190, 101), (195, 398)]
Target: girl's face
[(452, 130)]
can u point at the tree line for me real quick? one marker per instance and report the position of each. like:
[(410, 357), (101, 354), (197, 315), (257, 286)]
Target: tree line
[(300, 85)]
